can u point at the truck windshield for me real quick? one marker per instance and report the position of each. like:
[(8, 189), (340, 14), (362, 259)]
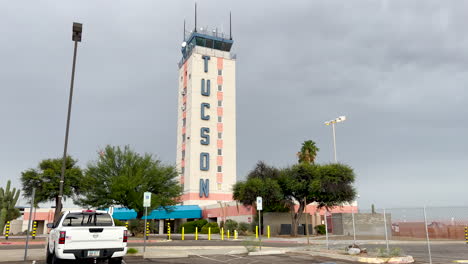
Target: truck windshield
[(87, 219)]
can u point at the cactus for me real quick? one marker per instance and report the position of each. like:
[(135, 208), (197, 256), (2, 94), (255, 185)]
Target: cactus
[(8, 200)]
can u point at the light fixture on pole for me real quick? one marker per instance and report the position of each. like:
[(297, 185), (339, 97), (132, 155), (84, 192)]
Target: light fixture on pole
[(76, 37), (332, 122)]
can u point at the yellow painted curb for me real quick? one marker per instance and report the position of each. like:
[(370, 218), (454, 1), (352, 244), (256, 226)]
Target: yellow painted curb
[(461, 261)]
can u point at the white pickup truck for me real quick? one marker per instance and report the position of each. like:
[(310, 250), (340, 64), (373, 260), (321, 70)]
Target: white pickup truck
[(86, 234)]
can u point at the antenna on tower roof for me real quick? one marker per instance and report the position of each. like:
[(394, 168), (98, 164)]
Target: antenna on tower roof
[(195, 17), (230, 26), (184, 31)]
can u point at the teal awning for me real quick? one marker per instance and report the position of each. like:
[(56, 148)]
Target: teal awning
[(176, 212), (173, 212)]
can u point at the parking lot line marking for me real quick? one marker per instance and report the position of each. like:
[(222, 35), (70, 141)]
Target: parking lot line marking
[(211, 259)]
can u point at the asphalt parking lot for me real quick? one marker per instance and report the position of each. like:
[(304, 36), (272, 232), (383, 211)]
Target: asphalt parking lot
[(238, 259), (231, 259)]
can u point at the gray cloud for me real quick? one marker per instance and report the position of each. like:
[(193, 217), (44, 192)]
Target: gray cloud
[(395, 68)]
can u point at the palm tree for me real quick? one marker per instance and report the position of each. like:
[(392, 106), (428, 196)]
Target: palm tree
[(308, 152)]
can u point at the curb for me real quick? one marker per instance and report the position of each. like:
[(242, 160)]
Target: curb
[(267, 252)]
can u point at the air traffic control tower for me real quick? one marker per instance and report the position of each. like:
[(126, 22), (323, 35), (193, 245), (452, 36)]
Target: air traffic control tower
[(206, 129)]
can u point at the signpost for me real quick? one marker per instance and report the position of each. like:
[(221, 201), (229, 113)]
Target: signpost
[(259, 209), (146, 204)]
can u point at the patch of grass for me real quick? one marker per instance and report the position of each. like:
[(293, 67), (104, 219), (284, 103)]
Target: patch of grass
[(132, 251), (394, 252)]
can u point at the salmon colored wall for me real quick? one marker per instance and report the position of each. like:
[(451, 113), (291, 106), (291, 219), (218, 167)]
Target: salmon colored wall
[(229, 211), (312, 209), (47, 216)]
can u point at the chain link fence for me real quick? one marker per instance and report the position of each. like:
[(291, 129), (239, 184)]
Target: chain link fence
[(430, 235)]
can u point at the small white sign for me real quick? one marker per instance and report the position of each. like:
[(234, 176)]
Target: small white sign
[(147, 199), (259, 203)]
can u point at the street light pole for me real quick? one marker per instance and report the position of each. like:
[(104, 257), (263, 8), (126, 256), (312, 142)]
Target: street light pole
[(334, 141), (332, 122), (76, 37)]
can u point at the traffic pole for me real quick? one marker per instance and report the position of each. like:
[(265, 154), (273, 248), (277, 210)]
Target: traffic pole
[(34, 229), (7, 230)]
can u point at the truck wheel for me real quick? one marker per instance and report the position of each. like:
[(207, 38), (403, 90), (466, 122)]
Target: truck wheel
[(48, 256), (115, 261), (55, 260)]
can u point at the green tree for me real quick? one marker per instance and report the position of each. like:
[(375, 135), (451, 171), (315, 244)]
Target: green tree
[(46, 180), (296, 186), (261, 181), (308, 152), (120, 176), (327, 185), (8, 200)]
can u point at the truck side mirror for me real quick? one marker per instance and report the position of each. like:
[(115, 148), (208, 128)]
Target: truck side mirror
[(50, 225)]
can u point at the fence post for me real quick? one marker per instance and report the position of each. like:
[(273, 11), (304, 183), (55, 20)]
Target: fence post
[(268, 231), (427, 236), (196, 233), (385, 228), (183, 233), (326, 228)]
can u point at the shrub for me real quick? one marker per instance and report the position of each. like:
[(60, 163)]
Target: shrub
[(132, 251), (251, 244), (137, 226), (214, 228), (119, 223), (231, 225), (320, 229), (244, 228), (189, 227)]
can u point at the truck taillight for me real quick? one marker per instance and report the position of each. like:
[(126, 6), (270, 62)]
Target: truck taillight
[(125, 236), (62, 237)]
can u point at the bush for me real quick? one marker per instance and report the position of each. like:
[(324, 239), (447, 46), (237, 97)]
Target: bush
[(320, 229), (231, 225), (189, 227), (132, 251), (214, 228), (137, 226), (244, 228), (119, 223), (251, 244)]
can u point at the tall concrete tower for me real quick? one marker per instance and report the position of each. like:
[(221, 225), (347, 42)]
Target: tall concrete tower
[(206, 130)]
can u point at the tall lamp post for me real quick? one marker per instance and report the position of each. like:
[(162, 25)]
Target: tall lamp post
[(76, 37), (332, 122)]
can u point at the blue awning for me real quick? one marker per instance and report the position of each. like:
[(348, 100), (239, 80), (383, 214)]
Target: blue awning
[(174, 212)]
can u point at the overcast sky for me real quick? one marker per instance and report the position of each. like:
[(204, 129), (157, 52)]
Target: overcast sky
[(397, 69)]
